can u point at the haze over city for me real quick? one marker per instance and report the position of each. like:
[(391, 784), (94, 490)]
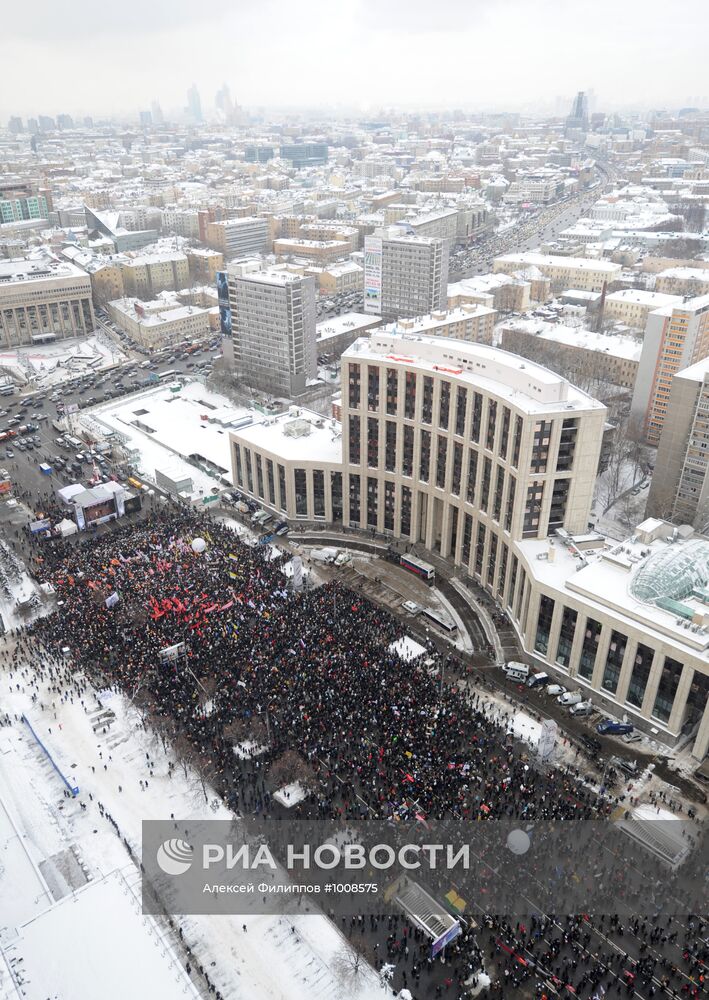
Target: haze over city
[(474, 54)]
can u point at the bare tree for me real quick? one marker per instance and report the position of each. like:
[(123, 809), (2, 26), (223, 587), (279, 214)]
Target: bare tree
[(289, 768), (350, 968)]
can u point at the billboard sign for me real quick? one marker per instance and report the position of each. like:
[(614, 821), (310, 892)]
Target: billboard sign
[(168, 654), (80, 519), (224, 306), (373, 275), (41, 525)]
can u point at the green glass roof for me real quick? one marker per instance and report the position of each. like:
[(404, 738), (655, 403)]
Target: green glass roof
[(673, 573)]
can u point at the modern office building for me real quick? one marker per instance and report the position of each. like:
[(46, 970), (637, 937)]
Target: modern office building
[(238, 237), (43, 301), (19, 202), (578, 117), (676, 337), (305, 154), (489, 461), (194, 104), (273, 330), (679, 490), (404, 275), (259, 154)]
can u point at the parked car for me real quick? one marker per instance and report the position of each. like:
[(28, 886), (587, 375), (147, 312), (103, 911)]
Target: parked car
[(556, 689), (634, 737), (582, 708), (609, 727), (570, 698)]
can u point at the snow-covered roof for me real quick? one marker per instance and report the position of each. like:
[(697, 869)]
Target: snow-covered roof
[(575, 336), (322, 443)]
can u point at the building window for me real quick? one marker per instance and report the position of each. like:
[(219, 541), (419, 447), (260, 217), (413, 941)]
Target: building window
[(546, 613), (372, 442), (249, 473), (480, 550), (499, 487), (427, 407), (259, 476), (513, 582), (614, 661), (354, 501), (372, 501), (467, 538), (477, 417), (667, 689), (407, 465), (389, 500), (444, 405), (485, 485), (509, 509), (390, 447), (517, 442), (372, 387), (642, 665), (354, 386), (301, 493), (540, 446), (319, 493), (503, 570), (492, 559), (336, 495), (472, 476), (491, 424), (405, 511), (559, 499), (282, 486), (505, 432), (567, 445), (461, 399), (457, 467), (410, 396), (441, 462), (392, 391), (453, 530), (355, 441), (591, 638), (425, 463), (566, 636), (237, 465), (271, 483), (533, 510)]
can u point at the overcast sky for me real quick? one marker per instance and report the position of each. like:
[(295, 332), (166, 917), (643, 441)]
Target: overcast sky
[(83, 56)]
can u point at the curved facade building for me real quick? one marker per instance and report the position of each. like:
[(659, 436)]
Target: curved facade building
[(489, 461)]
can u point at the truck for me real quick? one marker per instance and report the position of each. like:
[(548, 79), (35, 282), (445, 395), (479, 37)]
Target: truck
[(45, 468), (324, 555)]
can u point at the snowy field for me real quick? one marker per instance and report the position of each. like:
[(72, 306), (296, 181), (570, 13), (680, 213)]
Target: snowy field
[(268, 960), (51, 364)]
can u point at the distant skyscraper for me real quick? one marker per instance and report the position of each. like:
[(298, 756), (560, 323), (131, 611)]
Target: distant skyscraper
[(32, 125), (146, 119), (15, 125), (579, 112), (46, 124), (194, 104), (223, 102), (157, 114), (65, 121)]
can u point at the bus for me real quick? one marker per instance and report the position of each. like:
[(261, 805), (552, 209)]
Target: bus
[(173, 373), (135, 483), (420, 568), (441, 620)]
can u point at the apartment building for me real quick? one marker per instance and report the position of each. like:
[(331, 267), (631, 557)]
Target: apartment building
[(238, 237), (319, 251), (632, 306), (471, 322), (146, 276), (273, 329), (676, 337), (43, 301), (203, 265), (690, 281), (404, 275), (181, 221), (587, 274), (159, 323)]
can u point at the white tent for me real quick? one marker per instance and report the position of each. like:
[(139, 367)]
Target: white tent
[(66, 527)]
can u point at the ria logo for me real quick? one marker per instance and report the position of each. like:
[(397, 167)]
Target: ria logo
[(175, 857)]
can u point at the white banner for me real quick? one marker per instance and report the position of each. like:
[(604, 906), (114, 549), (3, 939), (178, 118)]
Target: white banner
[(297, 573), (547, 739)]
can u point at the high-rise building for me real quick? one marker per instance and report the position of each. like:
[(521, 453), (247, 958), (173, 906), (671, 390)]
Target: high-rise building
[(676, 336), (404, 275), (32, 126), (224, 103), (578, 118), (305, 154), (194, 104), (273, 329), (680, 484), (46, 124), (65, 121), (15, 125), (146, 119), (156, 112), (238, 237), (19, 202)]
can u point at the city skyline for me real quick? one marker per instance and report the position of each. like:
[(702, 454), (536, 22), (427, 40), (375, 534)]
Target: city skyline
[(505, 56)]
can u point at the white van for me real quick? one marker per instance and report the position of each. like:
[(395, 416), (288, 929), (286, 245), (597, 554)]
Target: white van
[(516, 671), (570, 698)]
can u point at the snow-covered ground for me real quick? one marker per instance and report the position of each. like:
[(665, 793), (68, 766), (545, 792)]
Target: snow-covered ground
[(255, 957), (51, 364), (407, 648)]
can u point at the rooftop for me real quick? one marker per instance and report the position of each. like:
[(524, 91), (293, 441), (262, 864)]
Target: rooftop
[(525, 384), (321, 442), (540, 259), (336, 325), (653, 299), (21, 270), (616, 344)]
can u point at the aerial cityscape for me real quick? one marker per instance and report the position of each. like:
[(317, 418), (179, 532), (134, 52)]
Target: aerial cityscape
[(381, 667)]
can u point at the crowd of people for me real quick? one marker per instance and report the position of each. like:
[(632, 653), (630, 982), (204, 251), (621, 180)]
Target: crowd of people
[(312, 675)]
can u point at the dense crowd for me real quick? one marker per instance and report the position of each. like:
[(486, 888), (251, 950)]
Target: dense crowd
[(375, 737)]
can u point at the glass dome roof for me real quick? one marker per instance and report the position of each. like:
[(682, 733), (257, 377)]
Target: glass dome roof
[(674, 572)]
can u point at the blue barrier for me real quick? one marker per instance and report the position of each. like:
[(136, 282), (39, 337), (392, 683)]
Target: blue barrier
[(74, 789)]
